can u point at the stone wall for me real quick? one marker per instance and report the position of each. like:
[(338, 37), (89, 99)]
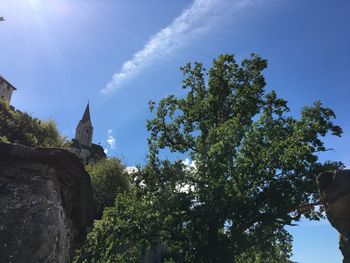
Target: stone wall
[(46, 204), (88, 155)]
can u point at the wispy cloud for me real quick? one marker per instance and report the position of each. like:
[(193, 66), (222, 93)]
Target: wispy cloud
[(192, 22), (112, 142)]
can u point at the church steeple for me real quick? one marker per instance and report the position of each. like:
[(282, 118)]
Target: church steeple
[(84, 130), (86, 116)]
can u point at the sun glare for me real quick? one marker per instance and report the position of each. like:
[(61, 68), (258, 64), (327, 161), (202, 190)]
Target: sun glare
[(60, 7), (34, 3)]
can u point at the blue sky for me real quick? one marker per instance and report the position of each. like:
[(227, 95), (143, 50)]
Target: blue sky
[(119, 54)]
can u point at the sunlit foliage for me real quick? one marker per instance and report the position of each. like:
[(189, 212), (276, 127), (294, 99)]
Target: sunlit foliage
[(108, 178), (18, 127)]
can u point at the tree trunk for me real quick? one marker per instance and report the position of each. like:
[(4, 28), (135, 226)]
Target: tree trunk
[(213, 248)]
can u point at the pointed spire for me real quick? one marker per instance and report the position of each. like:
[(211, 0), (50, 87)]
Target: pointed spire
[(86, 116)]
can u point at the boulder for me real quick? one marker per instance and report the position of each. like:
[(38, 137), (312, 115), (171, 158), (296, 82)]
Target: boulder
[(334, 189), (46, 204)]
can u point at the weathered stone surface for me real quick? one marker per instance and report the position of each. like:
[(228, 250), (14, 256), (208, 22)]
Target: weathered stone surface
[(335, 195), (46, 204)]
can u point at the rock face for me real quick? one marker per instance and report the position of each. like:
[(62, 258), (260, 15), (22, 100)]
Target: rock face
[(46, 204), (335, 195)]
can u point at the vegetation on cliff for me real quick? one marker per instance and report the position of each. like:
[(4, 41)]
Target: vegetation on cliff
[(123, 232), (253, 172), (108, 178), (21, 128)]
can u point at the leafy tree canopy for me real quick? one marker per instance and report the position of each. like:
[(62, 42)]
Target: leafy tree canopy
[(253, 171)]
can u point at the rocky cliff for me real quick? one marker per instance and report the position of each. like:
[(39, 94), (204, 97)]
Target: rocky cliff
[(335, 195), (46, 204)]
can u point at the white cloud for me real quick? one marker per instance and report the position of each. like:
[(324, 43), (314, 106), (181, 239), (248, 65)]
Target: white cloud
[(131, 169), (105, 151), (186, 162), (190, 165), (112, 142), (193, 21), (186, 188)]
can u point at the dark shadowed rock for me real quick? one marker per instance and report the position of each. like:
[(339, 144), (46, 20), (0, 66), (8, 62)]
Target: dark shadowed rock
[(46, 204), (335, 195)]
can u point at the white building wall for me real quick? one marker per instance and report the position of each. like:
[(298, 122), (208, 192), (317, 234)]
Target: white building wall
[(5, 91)]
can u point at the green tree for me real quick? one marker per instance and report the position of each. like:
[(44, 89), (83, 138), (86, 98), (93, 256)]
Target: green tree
[(253, 172), (18, 127), (255, 166), (108, 178), (123, 232)]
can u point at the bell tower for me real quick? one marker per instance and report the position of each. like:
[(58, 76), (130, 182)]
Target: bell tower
[(84, 130)]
